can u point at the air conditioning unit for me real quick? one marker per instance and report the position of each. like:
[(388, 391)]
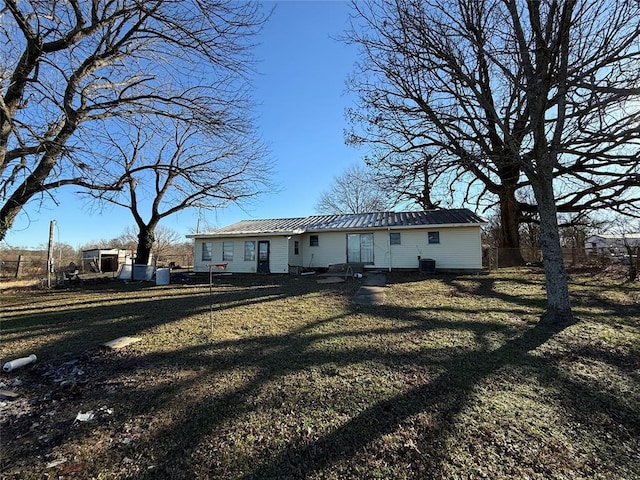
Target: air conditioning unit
[(427, 265)]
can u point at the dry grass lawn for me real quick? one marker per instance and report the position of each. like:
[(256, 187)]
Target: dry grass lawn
[(282, 378)]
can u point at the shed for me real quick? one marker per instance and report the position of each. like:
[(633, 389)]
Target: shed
[(105, 260)]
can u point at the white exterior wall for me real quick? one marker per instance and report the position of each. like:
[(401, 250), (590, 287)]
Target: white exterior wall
[(277, 255), (459, 248), (296, 260), (332, 248)]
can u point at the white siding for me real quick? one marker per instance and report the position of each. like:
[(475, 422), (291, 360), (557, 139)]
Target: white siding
[(296, 260), (459, 248), (278, 255), (332, 248)]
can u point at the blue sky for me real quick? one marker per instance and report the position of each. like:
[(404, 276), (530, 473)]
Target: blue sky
[(301, 96)]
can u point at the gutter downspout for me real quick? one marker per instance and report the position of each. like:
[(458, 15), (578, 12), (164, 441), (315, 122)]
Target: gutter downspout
[(389, 246)]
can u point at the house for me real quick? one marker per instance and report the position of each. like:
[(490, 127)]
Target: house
[(612, 243), (449, 239)]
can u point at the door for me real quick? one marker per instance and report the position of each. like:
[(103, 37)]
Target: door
[(360, 248), (263, 256)]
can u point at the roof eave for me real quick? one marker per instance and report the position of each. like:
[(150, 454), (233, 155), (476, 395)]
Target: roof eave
[(394, 227), (242, 234)]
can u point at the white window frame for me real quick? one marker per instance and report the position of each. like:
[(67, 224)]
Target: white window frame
[(227, 251), (207, 251), (250, 254)]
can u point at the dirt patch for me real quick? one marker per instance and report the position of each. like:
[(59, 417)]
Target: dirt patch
[(53, 396)]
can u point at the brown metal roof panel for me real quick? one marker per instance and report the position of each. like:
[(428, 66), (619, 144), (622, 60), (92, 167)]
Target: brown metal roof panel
[(350, 221), (277, 225)]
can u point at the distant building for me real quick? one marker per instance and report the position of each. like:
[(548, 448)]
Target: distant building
[(612, 243), (101, 260)]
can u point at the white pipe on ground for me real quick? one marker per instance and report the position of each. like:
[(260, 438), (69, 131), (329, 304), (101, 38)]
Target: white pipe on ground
[(18, 363)]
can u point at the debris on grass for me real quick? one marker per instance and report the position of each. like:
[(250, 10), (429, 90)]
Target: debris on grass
[(18, 363), (8, 395), (85, 417), (121, 342), (446, 380), (330, 280), (55, 463)]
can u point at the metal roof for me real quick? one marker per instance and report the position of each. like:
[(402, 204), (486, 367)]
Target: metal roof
[(274, 225), (358, 221), (620, 236)]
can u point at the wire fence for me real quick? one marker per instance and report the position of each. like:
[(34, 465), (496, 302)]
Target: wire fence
[(34, 266), (184, 261), (31, 266), (494, 258), (23, 268)]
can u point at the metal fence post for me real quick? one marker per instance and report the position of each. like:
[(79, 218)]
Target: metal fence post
[(18, 266)]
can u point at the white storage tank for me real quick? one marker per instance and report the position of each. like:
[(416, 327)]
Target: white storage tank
[(162, 276)]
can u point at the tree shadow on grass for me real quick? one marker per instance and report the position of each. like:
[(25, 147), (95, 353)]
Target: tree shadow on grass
[(253, 370), (275, 357), (451, 388), (80, 323)]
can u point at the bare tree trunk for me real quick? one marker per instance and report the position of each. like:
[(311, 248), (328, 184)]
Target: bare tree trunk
[(146, 237), (510, 254), (558, 311), (633, 271), (30, 186)]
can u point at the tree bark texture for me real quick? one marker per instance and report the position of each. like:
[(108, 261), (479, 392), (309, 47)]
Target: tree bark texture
[(558, 301), (146, 237), (509, 254)]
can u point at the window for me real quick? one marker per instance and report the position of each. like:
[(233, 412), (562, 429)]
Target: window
[(206, 251), (394, 238), (296, 247), (227, 251), (433, 237), (313, 241), (250, 251)]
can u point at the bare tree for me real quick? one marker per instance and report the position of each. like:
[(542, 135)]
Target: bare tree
[(412, 73), (627, 243), (354, 191), (537, 94), (72, 69), (409, 177), (127, 240), (165, 240), (176, 167)]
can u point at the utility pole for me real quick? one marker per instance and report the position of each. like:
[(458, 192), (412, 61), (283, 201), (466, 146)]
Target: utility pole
[(52, 224)]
